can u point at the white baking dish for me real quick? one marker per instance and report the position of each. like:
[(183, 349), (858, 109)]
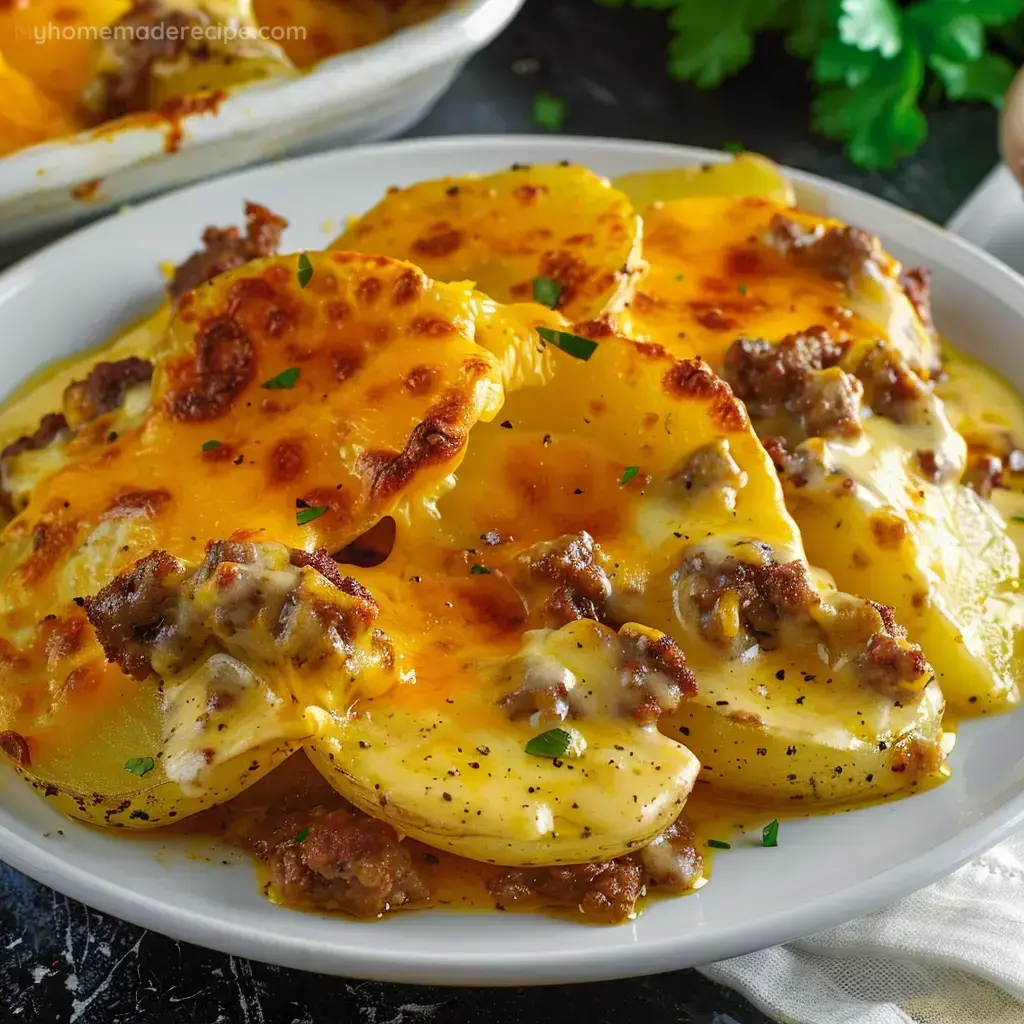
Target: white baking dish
[(359, 96)]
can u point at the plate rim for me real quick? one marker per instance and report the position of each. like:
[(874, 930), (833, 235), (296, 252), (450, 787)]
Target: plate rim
[(502, 967)]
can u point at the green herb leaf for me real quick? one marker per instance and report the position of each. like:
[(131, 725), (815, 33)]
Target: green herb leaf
[(742, 289), (480, 570), (809, 23), (283, 381), (988, 78), (879, 118), (209, 446), (307, 515), (302, 835), (732, 146), (553, 743), (546, 291), (1017, 518), (714, 40), (139, 765), (305, 274), (871, 25), (717, 844), (571, 344), (770, 833), (548, 111), (628, 473)]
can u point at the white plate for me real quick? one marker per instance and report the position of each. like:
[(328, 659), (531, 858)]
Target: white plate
[(825, 870), (367, 94), (993, 217)]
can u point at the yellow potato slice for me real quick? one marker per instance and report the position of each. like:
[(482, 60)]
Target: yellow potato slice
[(576, 503), (915, 538), (747, 174), (55, 44), (439, 757), (28, 115), (283, 407), (502, 231), (723, 267)]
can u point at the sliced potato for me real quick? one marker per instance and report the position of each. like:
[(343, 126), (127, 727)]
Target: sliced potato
[(591, 497), (29, 115), (373, 381), (732, 266), (932, 549), (747, 174), (502, 231), (456, 773)]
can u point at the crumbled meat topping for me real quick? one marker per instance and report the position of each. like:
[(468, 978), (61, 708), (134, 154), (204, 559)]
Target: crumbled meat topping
[(891, 667), (150, 33), (345, 861), (226, 248), (798, 375), (671, 862), (891, 387), (739, 600), (657, 678), (837, 252), (983, 473), (104, 389), (582, 587), (917, 283), (605, 892), (160, 609)]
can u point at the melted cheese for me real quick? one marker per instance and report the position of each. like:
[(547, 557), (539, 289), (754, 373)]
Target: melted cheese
[(53, 58), (564, 223), (365, 332), (713, 277), (567, 534)]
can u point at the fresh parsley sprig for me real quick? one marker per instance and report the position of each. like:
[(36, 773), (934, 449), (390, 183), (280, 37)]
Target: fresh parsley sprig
[(872, 60)]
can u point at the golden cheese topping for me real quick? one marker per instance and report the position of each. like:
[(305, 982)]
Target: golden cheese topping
[(515, 577), (723, 267), (263, 425), (563, 224)]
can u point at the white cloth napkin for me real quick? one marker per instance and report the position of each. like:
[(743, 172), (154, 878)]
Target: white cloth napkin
[(949, 954)]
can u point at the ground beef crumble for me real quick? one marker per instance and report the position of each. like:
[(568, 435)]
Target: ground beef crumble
[(227, 248), (341, 859)]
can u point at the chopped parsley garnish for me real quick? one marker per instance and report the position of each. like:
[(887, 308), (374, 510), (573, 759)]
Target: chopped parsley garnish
[(209, 446), (627, 474), (733, 147), (305, 274), (283, 381), (680, 277), (548, 111), (139, 765), (546, 291), (302, 835), (742, 289), (571, 344), (553, 743), (717, 844), (307, 515), (480, 570), (1018, 518), (770, 833)]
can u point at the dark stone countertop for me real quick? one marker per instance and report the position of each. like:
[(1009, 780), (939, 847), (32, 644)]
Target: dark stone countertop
[(61, 963)]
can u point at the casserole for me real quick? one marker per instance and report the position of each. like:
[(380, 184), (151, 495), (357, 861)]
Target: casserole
[(811, 873), (365, 94)]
